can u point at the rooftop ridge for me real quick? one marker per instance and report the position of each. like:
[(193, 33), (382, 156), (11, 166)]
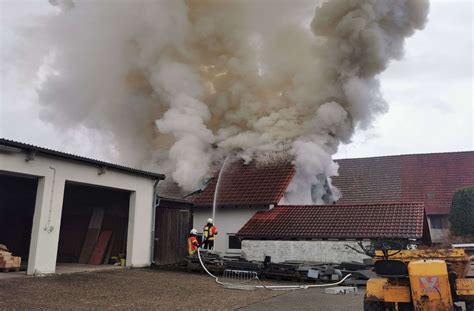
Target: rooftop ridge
[(61, 154), (407, 155), (354, 205)]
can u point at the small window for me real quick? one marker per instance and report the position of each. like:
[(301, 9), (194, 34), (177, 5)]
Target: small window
[(234, 242), (437, 222)]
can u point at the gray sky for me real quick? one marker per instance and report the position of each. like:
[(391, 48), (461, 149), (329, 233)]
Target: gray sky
[(429, 92)]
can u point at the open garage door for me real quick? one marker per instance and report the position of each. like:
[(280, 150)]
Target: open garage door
[(17, 206), (94, 225)]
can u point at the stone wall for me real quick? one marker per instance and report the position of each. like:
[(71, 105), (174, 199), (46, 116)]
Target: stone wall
[(323, 251)]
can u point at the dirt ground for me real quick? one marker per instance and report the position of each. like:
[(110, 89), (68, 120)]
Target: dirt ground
[(124, 289), (146, 289)]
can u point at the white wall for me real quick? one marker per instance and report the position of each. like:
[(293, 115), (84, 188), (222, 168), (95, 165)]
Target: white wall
[(53, 174), (227, 220), (322, 251), (439, 235)]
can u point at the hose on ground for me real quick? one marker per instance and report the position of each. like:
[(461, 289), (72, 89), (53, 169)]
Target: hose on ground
[(205, 269), (272, 287)]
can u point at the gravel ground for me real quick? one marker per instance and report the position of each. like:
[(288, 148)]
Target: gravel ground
[(156, 289), (124, 289), (309, 299)]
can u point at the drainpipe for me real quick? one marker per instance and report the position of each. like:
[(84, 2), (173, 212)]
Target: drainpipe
[(49, 228), (153, 222)]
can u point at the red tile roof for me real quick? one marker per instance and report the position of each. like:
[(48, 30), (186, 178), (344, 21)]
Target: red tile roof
[(429, 178), (248, 184), (339, 222)]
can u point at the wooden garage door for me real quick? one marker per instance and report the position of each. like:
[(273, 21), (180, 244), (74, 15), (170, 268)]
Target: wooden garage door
[(172, 226)]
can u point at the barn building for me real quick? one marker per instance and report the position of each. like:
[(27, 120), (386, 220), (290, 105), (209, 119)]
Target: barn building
[(431, 178)]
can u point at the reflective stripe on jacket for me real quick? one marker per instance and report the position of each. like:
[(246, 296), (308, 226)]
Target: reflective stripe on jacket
[(209, 232), (193, 244)]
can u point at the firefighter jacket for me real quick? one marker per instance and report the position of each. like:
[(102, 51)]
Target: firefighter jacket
[(193, 245), (209, 232)]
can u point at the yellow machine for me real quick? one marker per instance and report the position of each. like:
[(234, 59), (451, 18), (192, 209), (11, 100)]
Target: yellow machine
[(420, 280)]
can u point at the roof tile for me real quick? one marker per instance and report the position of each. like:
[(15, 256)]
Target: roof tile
[(398, 220), (430, 178), (248, 184)]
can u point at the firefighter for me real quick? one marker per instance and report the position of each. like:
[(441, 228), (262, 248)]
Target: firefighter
[(209, 234), (193, 242)]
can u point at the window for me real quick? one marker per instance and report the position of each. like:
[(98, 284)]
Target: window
[(234, 242), (437, 222)]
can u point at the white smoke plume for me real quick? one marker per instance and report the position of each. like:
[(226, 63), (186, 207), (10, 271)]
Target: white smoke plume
[(179, 84)]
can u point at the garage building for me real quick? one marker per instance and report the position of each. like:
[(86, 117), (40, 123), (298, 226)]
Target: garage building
[(56, 207)]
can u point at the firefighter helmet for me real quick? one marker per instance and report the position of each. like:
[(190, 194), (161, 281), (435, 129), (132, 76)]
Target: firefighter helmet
[(193, 231), (210, 221)]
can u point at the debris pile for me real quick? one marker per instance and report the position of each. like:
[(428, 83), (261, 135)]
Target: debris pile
[(319, 271), (298, 271), (213, 262), (232, 263)]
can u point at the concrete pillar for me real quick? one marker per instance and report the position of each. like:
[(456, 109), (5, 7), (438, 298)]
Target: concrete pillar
[(46, 225), (139, 228)]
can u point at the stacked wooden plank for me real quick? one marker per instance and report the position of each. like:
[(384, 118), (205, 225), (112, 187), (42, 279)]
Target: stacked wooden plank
[(213, 262), (8, 262), (243, 265), (283, 271)]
